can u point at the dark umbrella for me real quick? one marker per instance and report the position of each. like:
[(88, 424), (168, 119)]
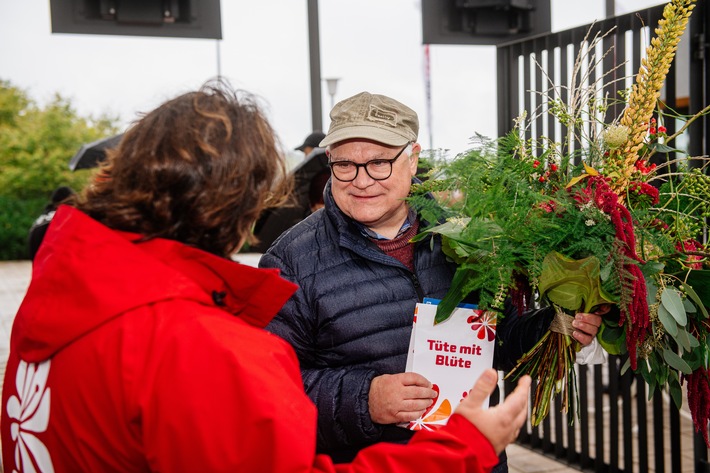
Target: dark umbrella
[(274, 222), (90, 155)]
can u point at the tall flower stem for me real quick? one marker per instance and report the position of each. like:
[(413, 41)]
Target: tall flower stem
[(551, 363), (647, 89)]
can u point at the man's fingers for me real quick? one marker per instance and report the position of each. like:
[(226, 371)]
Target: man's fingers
[(408, 416), (603, 309), (412, 405), (413, 379), (587, 319), (417, 392), (484, 387)]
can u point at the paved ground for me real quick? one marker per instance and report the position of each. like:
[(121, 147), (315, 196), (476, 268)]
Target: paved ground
[(15, 277)]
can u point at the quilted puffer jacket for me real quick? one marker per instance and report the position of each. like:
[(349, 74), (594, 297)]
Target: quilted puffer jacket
[(351, 319)]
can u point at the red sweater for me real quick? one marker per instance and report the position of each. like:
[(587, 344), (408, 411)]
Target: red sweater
[(400, 247)]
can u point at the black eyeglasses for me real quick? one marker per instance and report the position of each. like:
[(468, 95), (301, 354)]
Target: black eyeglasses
[(377, 169)]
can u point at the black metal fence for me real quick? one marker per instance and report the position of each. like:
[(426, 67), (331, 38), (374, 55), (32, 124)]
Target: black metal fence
[(620, 429)]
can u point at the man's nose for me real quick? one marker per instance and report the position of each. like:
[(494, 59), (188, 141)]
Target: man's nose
[(363, 179)]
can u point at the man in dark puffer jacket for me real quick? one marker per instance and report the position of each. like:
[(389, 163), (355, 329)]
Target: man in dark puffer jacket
[(359, 279)]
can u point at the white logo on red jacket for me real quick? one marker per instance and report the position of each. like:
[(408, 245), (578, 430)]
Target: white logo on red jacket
[(29, 412)]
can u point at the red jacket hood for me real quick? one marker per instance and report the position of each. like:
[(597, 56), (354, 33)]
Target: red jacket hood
[(77, 267)]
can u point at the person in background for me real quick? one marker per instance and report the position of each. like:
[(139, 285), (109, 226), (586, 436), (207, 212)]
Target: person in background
[(40, 225), (139, 344), (310, 142), (316, 188), (360, 277)]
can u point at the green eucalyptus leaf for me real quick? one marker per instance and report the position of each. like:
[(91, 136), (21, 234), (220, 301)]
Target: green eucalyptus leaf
[(651, 291), (699, 280), (625, 367), (676, 393), (689, 307), (695, 359), (672, 301), (676, 362), (696, 298), (682, 339), (693, 341), (651, 388), (668, 321)]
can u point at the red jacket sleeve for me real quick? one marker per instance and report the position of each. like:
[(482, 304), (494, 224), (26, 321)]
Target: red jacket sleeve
[(230, 398), (458, 447)]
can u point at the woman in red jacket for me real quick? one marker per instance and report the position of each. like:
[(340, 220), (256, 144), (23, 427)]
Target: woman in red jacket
[(139, 344)]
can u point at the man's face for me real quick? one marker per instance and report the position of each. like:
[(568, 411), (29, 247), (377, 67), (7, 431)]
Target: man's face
[(379, 205)]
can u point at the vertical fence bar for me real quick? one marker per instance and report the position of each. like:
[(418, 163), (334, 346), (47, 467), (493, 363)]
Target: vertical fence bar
[(599, 465), (535, 433), (658, 440), (547, 443), (642, 422), (675, 436), (609, 63), (584, 416), (551, 68), (564, 93), (504, 94), (558, 415), (627, 427), (701, 455)]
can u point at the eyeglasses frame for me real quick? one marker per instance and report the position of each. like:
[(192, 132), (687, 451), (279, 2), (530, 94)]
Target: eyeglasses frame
[(364, 165)]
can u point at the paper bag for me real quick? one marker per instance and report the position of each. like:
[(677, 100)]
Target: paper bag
[(452, 355)]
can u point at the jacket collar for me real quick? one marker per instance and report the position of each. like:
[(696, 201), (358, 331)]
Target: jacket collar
[(85, 274)]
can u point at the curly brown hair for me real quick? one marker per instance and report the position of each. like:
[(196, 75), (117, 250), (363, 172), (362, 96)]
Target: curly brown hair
[(199, 169)]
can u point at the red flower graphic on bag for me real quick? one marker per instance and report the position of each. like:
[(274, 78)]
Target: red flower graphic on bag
[(484, 324)]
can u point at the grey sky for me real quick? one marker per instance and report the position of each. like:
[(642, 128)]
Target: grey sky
[(372, 45)]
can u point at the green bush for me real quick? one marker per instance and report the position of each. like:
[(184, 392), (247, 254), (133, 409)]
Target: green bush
[(36, 145), (16, 218)]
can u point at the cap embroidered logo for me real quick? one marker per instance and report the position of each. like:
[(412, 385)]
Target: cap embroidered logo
[(383, 116)]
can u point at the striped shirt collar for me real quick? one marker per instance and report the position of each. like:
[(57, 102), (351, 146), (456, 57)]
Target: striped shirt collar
[(408, 222)]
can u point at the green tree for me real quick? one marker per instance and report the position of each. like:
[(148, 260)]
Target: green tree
[(36, 144)]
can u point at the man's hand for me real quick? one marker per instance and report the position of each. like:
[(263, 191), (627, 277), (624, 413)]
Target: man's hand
[(402, 397), (499, 424), (587, 325)]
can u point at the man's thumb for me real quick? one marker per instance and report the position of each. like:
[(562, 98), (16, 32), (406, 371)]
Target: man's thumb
[(484, 387)]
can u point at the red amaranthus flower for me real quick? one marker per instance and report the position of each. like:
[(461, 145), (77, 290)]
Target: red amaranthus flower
[(699, 400), (692, 261), (597, 190)]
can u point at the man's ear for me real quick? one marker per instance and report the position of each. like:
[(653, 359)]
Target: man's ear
[(414, 158)]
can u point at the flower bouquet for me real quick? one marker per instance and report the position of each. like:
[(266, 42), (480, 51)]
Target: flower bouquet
[(528, 221)]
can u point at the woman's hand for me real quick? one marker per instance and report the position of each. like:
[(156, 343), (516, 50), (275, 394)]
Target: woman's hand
[(500, 424)]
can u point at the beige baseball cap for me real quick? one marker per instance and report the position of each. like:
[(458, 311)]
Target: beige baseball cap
[(374, 117)]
